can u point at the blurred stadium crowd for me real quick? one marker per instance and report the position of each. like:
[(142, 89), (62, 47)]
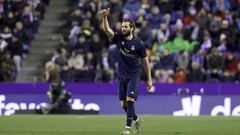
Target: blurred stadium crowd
[(186, 40), (19, 21)]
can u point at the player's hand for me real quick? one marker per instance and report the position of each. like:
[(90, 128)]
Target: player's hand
[(150, 86), (105, 12)]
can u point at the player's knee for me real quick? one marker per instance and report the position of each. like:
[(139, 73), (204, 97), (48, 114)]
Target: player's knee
[(130, 99)]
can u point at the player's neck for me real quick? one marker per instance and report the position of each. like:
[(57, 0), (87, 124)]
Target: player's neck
[(130, 37)]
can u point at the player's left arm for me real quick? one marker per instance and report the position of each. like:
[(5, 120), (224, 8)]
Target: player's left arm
[(148, 72)]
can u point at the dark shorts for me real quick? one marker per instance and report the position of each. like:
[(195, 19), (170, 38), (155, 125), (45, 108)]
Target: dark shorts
[(127, 88)]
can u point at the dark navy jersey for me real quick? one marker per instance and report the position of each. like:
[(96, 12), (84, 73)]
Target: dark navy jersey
[(130, 54)]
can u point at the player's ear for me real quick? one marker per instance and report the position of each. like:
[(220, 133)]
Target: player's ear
[(132, 29)]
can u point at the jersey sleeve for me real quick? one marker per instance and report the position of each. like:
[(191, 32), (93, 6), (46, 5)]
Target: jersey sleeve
[(142, 50)]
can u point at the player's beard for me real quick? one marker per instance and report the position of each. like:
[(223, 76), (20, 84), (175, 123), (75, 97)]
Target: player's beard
[(126, 34)]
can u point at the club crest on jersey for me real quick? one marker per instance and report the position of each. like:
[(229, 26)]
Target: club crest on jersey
[(132, 47)]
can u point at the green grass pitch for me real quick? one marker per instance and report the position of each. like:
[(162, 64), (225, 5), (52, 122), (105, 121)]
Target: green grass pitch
[(113, 124)]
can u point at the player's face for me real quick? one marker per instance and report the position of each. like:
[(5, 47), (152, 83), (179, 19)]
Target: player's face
[(126, 29)]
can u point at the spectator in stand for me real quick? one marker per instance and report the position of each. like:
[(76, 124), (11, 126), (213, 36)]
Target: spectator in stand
[(116, 6), (96, 47), (108, 73), (60, 58), (199, 57), (215, 65), (203, 19), (22, 35), (131, 8), (66, 73), (222, 47), (206, 44), (16, 49), (6, 34), (163, 33), (76, 18), (183, 60), (40, 8), (82, 45), (10, 20), (7, 68), (64, 43), (3, 46), (230, 63), (180, 75), (145, 36), (230, 34), (76, 63), (196, 73), (87, 73), (237, 74), (165, 66), (28, 19), (154, 18), (193, 31)]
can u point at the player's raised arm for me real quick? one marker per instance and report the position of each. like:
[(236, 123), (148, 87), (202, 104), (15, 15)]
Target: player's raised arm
[(104, 24), (148, 73), (101, 21)]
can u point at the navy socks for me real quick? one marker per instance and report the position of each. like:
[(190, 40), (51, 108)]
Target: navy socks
[(131, 115)]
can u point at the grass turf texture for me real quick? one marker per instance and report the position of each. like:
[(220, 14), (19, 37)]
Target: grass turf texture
[(112, 125)]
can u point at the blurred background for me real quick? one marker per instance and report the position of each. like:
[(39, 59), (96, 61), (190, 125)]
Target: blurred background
[(53, 54)]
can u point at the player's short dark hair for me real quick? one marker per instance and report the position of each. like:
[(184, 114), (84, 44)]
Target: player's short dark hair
[(131, 23)]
